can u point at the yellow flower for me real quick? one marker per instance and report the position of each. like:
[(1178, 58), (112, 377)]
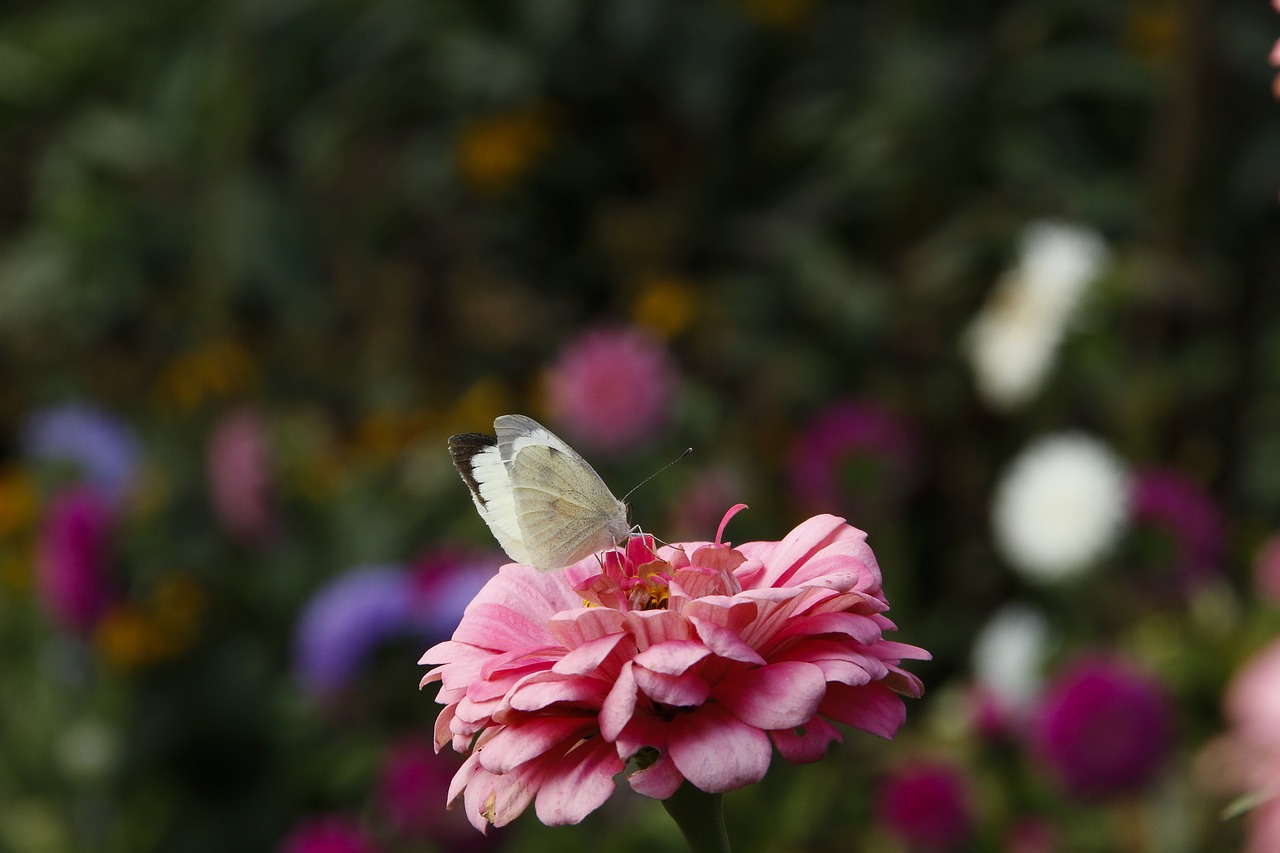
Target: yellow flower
[(165, 626), (666, 304), (494, 152), (125, 637), (18, 501), (214, 371), (385, 433)]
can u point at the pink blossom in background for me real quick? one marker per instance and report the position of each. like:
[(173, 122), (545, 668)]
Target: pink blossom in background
[(238, 462), (688, 662), (612, 388), (853, 433), (72, 557), (1102, 728), (1266, 570), (1031, 835), (412, 783), (926, 805), (1180, 508), (328, 834)]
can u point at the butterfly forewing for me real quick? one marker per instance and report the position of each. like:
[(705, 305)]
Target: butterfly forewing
[(477, 459)]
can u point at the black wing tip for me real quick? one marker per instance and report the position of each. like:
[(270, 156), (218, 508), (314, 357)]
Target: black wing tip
[(462, 447)]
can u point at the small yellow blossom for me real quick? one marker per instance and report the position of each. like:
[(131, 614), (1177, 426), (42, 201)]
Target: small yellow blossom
[(494, 152), (18, 501), (214, 371), (666, 304)]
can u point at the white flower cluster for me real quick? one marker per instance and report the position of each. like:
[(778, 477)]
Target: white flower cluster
[(1008, 655), (1060, 506), (1012, 341)]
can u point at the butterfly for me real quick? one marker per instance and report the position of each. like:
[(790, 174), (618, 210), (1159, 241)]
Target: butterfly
[(546, 506)]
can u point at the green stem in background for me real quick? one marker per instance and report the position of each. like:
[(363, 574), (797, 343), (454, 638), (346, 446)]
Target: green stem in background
[(700, 818)]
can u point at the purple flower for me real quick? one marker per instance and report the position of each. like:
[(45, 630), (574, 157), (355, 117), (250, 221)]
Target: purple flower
[(926, 805), (72, 552), (413, 783), (1102, 728), (853, 454), (612, 388), (355, 612), (328, 834), (102, 448), (238, 459), (1171, 504)]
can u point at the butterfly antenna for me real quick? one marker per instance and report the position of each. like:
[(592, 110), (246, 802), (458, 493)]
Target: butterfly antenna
[(687, 451)]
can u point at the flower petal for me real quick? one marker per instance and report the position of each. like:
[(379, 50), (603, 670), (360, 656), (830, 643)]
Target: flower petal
[(725, 642), (588, 657), (673, 657), (872, 707), (514, 745), (716, 751), (805, 744), (778, 696), (679, 690), (547, 688), (581, 782), (620, 704), (660, 780)]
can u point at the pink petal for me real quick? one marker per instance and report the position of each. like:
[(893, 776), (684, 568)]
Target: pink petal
[(805, 744), (889, 650), (514, 745), (678, 690), (725, 642), (620, 704), (575, 627), (673, 657), (783, 558), (463, 777), (580, 783), (657, 626), (778, 696), (443, 733), (588, 657), (861, 628), (660, 780), (872, 707), (716, 751), (546, 689), (640, 732)]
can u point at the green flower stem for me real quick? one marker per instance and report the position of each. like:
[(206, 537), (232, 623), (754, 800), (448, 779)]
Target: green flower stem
[(700, 818)]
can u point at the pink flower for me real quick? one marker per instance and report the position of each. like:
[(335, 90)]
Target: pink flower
[(328, 834), (72, 554), (851, 452), (1169, 503), (238, 459), (1103, 728), (687, 662), (412, 782), (1266, 570), (926, 804), (612, 388)]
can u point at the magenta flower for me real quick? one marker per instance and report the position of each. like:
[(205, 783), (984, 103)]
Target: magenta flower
[(927, 806), (687, 662), (412, 782), (328, 834), (238, 462), (1102, 728), (850, 452), (72, 555), (612, 388), (1179, 509)]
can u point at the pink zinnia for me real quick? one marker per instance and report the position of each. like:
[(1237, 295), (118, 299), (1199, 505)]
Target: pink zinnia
[(926, 804), (1103, 728), (72, 555), (687, 662), (328, 834), (1249, 755), (238, 459), (612, 388)]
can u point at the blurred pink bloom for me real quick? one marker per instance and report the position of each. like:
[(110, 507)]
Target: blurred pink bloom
[(412, 782), (1031, 835), (927, 806), (238, 459), (328, 834), (1181, 509), (72, 554), (688, 662), (1266, 570), (1247, 758), (853, 455), (1103, 728), (612, 388)]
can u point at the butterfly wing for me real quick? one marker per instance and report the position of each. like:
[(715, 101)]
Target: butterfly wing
[(564, 510), (478, 460)]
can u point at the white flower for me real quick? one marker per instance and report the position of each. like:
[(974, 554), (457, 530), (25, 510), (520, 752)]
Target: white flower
[(1013, 339), (1008, 654), (1060, 506)]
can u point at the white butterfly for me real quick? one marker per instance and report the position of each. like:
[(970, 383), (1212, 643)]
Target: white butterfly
[(546, 506)]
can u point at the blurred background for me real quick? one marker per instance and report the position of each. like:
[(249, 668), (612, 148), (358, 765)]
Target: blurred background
[(995, 281)]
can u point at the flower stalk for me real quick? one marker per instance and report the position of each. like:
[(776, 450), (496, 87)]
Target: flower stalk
[(700, 817)]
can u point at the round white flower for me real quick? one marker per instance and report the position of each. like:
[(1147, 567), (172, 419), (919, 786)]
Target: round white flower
[(1060, 506), (1058, 263), (1008, 654)]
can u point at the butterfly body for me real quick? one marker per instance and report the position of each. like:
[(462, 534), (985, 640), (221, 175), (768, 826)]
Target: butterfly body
[(546, 506)]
